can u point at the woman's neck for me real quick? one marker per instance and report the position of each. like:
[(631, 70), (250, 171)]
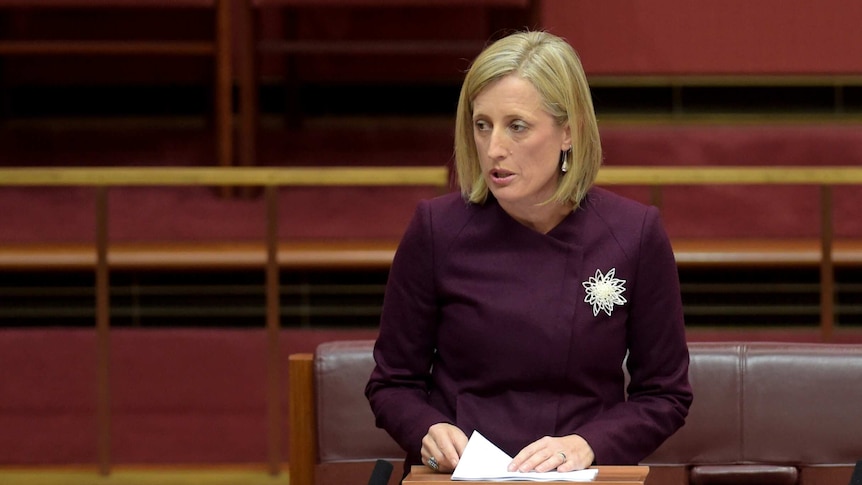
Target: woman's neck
[(540, 218)]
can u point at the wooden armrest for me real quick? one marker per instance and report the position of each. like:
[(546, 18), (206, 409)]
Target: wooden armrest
[(303, 419)]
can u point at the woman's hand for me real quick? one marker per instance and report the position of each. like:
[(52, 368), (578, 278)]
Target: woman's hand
[(565, 454), (444, 443)]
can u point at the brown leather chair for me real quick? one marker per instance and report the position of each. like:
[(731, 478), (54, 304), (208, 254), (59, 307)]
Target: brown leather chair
[(333, 438), (218, 47), (763, 413), (767, 413)]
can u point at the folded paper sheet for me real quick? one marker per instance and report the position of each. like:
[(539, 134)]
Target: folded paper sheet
[(482, 460)]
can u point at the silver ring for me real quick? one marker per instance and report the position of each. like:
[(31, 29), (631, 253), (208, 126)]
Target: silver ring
[(432, 464), (562, 455)]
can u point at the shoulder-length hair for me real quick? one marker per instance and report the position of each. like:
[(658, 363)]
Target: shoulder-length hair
[(553, 67)]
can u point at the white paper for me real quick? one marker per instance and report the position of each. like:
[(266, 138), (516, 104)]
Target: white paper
[(482, 460)]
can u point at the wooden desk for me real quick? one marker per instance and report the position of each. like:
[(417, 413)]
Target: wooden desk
[(608, 475)]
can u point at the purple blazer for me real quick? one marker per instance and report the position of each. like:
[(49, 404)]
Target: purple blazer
[(485, 326)]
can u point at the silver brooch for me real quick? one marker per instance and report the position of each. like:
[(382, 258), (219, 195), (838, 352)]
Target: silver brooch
[(604, 291)]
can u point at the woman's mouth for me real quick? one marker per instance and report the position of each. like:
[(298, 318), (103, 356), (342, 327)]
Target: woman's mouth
[(499, 175)]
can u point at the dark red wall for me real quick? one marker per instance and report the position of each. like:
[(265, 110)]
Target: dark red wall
[(440, 23), (711, 36)]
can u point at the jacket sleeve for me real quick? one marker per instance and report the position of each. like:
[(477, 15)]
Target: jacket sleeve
[(398, 387), (659, 393)]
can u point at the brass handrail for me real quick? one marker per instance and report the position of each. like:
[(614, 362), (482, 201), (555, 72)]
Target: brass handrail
[(433, 176), (774, 175), (225, 176)]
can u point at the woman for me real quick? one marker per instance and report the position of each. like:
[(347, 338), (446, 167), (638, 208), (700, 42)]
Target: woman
[(513, 307)]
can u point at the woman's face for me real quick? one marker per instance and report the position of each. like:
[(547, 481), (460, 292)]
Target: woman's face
[(519, 143)]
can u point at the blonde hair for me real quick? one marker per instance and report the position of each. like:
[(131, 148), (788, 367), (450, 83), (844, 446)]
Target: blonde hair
[(555, 70)]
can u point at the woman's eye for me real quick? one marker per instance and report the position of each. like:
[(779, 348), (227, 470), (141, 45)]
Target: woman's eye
[(517, 127), (481, 125)]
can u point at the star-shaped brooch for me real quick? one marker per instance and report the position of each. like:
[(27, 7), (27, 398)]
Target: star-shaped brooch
[(604, 291)]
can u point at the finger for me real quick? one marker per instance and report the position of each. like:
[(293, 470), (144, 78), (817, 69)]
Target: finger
[(450, 441), (580, 454), (432, 463), (529, 457), (448, 456), (563, 461), (550, 463), (440, 451), (569, 466), (456, 441), (460, 441), (577, 462), (429, 450), (520, 458), (538, 461), (449, 450)]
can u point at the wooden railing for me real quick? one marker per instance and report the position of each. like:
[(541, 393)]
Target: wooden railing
[(271, 179), (823, 177)]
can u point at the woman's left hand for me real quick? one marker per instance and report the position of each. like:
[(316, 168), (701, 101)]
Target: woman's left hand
[(565, 454)]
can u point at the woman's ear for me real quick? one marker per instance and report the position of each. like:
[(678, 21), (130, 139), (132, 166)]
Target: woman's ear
[(567, 138)]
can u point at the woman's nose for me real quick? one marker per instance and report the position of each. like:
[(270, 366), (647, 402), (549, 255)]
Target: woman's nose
[(497, 147)]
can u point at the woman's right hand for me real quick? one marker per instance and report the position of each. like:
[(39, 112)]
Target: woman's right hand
[(445, 443)]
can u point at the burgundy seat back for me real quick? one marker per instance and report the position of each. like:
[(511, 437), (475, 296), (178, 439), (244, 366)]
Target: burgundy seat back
[(803, 404), (345, 424), (770, 403), (713, 430)]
